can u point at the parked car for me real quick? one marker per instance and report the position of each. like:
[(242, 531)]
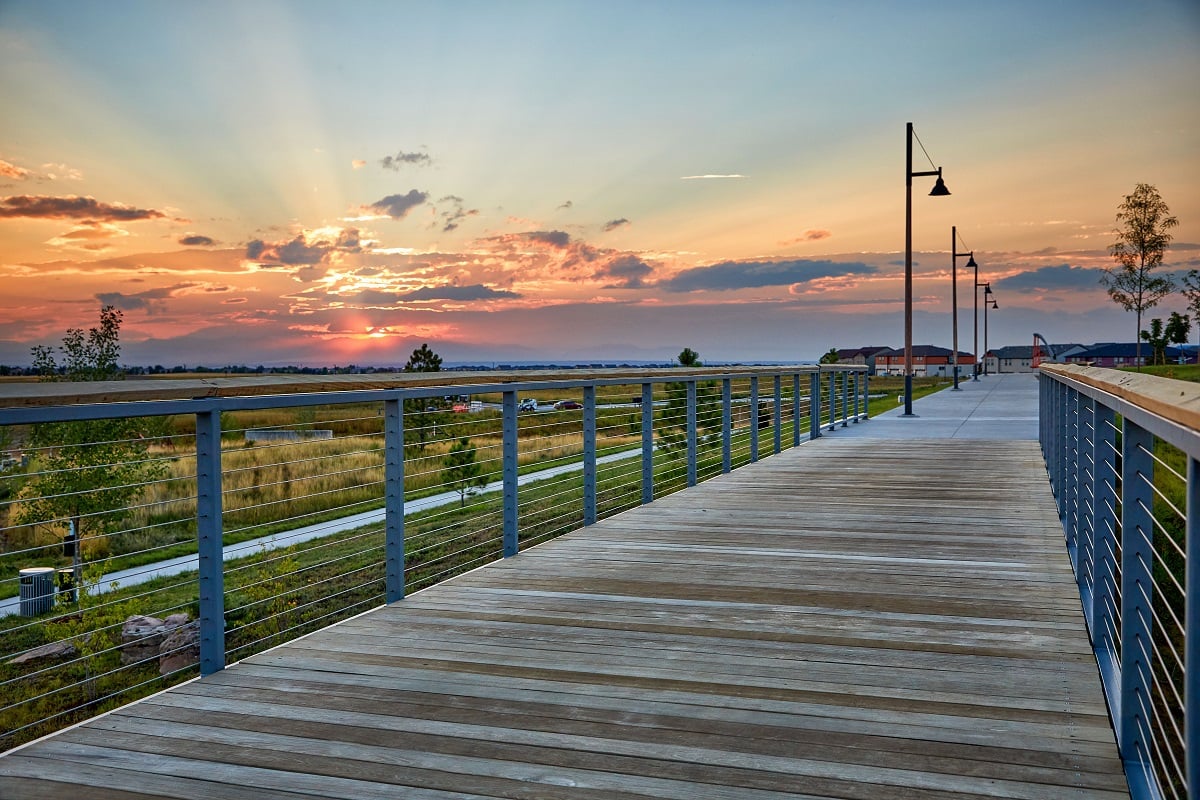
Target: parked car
[(460, 408), (528, 404), (567, 405)]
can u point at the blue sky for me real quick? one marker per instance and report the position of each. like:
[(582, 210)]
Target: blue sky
[(576, 180)]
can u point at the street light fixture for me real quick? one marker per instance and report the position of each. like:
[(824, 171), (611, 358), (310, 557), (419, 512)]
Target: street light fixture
[(954, 256), (939, 190)]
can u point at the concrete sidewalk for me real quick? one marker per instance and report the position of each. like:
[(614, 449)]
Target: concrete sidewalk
[(993, 407)]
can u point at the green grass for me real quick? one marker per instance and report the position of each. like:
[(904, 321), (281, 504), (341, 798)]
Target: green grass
[(1180, 372)]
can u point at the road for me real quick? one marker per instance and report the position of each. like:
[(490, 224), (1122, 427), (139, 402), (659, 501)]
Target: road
[(177, 566)]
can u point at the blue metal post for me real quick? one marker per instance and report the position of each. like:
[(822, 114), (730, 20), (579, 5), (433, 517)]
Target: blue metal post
[(845, 399), (866, 389), (855, 395), (647, 443), (508, 450), (832, 401), (589, 455), (393, 499), (726, 425), (1071, 478), (1137, 596), (1102, 615), (778, 416), (754, 419), (210, 540), (796, 409), (691, 432), (1191, 643), (814, 405), (1085, 566)]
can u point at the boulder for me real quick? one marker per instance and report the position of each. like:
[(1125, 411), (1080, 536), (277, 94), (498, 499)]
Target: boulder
[(180, 648), (46, 651), (143, 638)]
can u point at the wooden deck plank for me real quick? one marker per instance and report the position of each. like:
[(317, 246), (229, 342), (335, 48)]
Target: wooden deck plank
[(853, 619)]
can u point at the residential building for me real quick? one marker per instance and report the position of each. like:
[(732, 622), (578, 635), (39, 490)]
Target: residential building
[(928, 360), (861, 355), (1126, 354)]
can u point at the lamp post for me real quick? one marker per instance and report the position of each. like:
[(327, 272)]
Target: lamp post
[(988, 302), (954, 256), (977, 365), (939, 190)]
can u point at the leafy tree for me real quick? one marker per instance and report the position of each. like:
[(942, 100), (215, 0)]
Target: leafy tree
[(424, 420), (461, 472), (1191, 290), (1143, 220), (831, 357), (423, 360), (1157, 339), (89, 471), (672, 420), (1179, 326)]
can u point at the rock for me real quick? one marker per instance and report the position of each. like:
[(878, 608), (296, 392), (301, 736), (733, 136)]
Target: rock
[(46, 651), (180, 648), (142, 637)]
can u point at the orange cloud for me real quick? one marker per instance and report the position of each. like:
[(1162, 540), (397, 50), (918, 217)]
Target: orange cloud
[(8, 170)]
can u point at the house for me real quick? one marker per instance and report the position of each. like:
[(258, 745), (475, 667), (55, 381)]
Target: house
[(861, 355), (1126, 354), (927, 360)]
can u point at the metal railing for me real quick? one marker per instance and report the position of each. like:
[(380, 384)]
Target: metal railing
[(144, 542), (1122, 451)]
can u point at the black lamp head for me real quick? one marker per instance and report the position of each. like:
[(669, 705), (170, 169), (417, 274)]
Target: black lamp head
[(971, 261), (939, 188)]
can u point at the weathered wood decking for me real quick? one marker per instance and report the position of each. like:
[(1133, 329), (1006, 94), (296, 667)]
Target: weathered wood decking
[(853, 619)]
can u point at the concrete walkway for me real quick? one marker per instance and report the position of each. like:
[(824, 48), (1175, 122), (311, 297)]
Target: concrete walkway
[(993, 407)]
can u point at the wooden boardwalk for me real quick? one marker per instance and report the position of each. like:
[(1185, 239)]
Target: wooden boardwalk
[(860, 618)]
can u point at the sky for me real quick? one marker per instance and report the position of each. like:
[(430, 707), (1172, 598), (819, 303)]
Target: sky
[(327, 183)]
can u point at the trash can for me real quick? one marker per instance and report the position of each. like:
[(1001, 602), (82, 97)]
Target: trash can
[(36, 590), (66, 584)]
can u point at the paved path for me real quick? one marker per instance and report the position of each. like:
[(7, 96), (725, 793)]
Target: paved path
[(994, 407)]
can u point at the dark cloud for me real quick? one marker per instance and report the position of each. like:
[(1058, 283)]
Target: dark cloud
[(566, 204), (303, 251), (196, 240), (1063, 276), (628, 270), (613, 224), (730, 275), (397, 205), (402, 159), (152, 299), (552, 238), (74, 207), (474, 292), (456, 213)]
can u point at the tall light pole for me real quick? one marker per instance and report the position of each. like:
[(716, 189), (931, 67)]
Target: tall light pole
[(988, 302), (939, 190), (975, 352), (954, 256)]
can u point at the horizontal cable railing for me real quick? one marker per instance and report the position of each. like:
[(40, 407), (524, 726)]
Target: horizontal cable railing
[(143, 542), (1122, 452)]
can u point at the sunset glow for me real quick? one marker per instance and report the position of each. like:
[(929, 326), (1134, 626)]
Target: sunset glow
[(318, 183)]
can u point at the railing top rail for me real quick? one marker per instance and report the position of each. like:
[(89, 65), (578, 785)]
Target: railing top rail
[(23, 395), (1173, 400)]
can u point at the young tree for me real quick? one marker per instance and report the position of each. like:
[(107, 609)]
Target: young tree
[(1157, 340), (1143, 220), (422, 420), (831, 357), (1179, 326), (86, 472), (1191, 290), (672, 420), (461, 472)]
